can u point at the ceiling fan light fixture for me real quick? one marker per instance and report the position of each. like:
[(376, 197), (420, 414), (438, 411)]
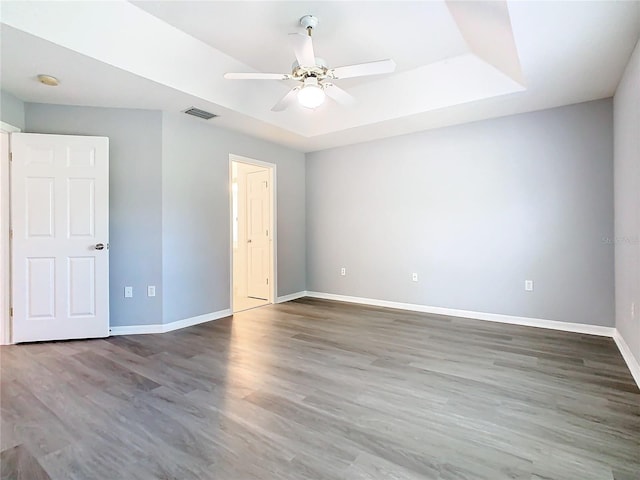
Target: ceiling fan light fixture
[(314, 77), (311, 95)]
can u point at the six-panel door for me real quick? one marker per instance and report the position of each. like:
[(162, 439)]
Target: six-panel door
[(60, 227)]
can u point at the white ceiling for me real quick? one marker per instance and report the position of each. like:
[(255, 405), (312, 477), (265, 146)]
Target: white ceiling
[(457, 62), (348, 33)]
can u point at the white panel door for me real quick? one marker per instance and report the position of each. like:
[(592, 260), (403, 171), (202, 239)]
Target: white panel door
[(258, 213), (60, 228)]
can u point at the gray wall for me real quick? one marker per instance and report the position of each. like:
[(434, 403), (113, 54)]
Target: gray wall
[(135, 198), (196, 214), (11, 110), (626, 108), (475, 210), (169, 208)]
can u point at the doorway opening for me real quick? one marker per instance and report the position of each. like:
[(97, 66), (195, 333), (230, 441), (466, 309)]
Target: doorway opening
[(252, 207)]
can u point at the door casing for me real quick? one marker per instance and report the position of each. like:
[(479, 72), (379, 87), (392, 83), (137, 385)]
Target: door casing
[(5, 251), (274, 231)]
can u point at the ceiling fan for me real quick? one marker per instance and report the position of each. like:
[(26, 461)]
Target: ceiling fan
[(313, 74)]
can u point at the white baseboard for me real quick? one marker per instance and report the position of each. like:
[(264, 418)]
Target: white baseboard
[(491, 317), (169, 327), (625, 351), (291, 296), (632, 362), (135, 329)]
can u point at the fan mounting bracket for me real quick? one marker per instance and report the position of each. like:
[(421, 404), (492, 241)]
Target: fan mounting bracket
[(309, 22)]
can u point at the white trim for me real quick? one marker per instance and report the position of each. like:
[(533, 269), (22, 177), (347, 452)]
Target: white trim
[(273, 169), (251, 161), (632, 362), (135, 329), (189, 322), (625, 351), (491, 317), (169, 327), (5, 245), (291, 296), (5, 127)]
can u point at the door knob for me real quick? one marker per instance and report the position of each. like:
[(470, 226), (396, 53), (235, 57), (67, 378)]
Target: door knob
[(249, 241), (99, 246)]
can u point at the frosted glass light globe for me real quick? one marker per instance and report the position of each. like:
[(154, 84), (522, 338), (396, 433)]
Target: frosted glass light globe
[(311, 96)]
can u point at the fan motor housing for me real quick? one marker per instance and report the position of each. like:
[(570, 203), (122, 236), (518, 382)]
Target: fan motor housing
[(319, 71)]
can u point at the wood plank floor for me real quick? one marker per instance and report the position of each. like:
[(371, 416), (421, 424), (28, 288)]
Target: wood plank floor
[(314, 389)]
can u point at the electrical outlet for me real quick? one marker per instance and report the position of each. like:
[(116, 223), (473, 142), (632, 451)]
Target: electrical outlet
[(343, 271), (128, 292), (414, 277), (151, 291), (528, 285)]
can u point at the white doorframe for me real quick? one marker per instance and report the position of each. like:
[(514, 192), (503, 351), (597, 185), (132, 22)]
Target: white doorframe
[(5, 248), (274, 231)]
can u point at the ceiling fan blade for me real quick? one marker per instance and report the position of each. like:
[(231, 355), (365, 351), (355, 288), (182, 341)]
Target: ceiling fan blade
[(338, 94), (257, 76), (362, 69), (286, 101), (303, 49)]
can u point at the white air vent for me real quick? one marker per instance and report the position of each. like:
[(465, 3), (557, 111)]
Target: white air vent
[(196, 112)]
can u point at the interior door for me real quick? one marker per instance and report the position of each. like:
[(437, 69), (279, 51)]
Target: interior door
[(60, 228), (258, 213)]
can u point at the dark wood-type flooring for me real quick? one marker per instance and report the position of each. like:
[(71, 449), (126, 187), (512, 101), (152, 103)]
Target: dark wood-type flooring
[(315, 389)]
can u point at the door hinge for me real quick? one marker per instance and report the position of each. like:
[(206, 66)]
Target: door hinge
[(11, 156), (11, 233), (11, 312), (267, 281), (267, 234)]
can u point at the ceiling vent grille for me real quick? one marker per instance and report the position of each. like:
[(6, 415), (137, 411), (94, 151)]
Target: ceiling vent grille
[(196, 112)]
